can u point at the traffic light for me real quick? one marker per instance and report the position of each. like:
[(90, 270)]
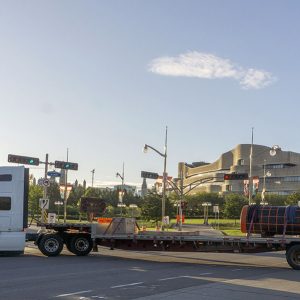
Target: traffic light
[(25, 160), (241, 176), (66, 165), (149, 175)]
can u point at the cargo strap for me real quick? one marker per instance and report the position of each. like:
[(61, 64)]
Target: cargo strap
[(251, 223), (285, 222)]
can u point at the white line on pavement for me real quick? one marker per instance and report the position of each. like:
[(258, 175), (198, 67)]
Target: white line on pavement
[(70, 294), (123, 285), (171, 278)]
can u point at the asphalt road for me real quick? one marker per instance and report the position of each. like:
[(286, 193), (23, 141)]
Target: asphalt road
[(121, 274)]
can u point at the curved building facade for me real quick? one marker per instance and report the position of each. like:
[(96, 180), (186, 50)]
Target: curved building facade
[(278, 174)]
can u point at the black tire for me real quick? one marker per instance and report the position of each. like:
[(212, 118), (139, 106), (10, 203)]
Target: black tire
[(293, 256), (81, 244), (51, 244)]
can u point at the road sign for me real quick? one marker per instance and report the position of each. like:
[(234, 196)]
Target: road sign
[(149, 175), (41, 181), (44, 203), (52, 218), (216, 209), (46, 182), (166, 220), (53, 174)]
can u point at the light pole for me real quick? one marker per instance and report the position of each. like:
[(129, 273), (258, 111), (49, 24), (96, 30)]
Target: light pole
[(250, 189), (122, 188), (164, 155), (266, 174), (65, 191), (93, 174)]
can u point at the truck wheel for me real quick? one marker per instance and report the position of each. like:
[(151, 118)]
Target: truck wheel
[(81, 245), (51, 244), (293, 257)]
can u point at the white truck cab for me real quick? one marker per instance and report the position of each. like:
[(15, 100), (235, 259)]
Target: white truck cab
[(14, 185)]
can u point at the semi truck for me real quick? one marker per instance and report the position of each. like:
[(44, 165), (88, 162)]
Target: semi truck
[(14, 183), (120, 233)]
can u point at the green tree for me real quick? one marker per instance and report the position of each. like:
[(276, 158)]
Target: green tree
[(233, 205), (53, 195), (75, 195), (35, 193), (292, 199), (151, 208), (194, 203)]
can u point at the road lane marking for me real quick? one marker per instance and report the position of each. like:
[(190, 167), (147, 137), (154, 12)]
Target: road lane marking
[(183, 276), (123, 285), (236, 270), (171, 278), (71, 294)]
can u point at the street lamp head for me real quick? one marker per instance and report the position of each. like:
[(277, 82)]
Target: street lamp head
[(145, 149), (117, 174), (274, 149)]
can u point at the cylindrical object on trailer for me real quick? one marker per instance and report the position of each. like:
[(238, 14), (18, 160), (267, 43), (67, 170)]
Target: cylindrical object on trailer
[(270, 220)]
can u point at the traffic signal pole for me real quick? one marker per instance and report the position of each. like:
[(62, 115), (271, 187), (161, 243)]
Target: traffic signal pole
[(65, 192), (45, 188)]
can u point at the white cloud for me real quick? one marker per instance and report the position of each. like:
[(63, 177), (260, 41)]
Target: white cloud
[(209, 66)]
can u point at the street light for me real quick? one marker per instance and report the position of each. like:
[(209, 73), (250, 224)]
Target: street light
[(266, 174), (164, 155), (274, 150), (93, 174), (122, 189)]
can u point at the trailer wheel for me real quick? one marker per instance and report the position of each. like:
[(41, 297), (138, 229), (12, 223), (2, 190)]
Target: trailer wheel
[(51, 244), (81, 245), (293, 257)]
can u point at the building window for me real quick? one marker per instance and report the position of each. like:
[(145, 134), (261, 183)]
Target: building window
[(241, 162), (279, 166), (5, 203)]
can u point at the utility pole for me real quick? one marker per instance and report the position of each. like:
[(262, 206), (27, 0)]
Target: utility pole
[(250, 169), (43, 218), (65, 191), (93, 173), (122, 187)]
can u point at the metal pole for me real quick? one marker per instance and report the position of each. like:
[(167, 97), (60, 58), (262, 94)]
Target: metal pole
[(264, 185), (45, 188), (163, 210), (250, 169), (65, 192), (93, 173), (181, 197)]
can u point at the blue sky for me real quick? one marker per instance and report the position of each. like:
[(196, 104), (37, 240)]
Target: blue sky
[(104, 77)]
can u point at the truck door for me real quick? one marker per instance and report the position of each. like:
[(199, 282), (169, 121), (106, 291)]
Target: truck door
[(13, 208)]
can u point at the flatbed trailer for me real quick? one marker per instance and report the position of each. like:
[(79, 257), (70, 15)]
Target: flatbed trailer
[(80, 239)]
